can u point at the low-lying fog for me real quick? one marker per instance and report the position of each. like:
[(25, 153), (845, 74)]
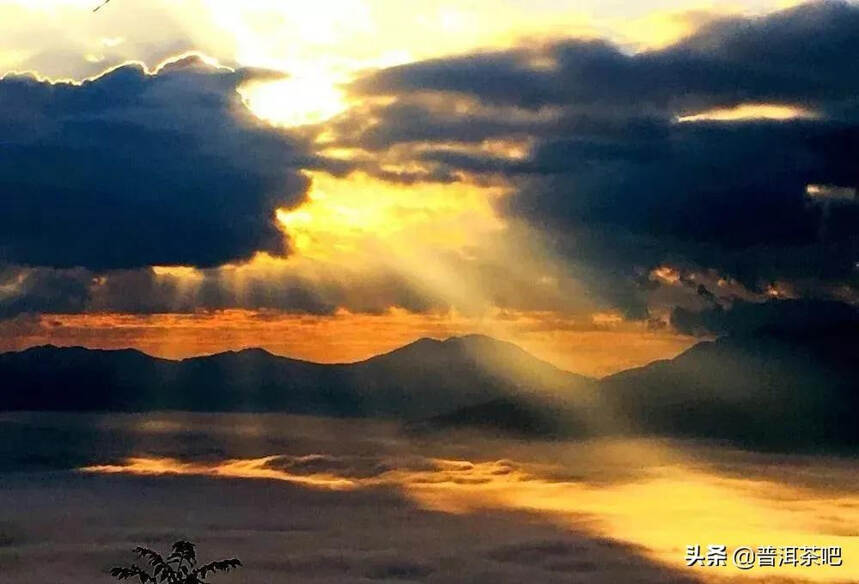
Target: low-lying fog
[(301, 499)]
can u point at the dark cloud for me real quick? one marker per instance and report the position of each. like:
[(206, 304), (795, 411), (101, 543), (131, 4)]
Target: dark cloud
[(625, 184), (413, 119), (25, 290), (805, 53), (732, 186), (787, 316), (132, 169)]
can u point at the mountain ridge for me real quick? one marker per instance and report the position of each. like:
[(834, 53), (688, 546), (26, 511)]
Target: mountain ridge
[(773, 388), (421, 379), (417, 342)]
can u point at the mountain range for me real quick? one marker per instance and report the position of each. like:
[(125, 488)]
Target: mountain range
[(422, 379), (769, 388)]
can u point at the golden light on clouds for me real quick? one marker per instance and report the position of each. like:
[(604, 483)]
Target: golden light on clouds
[(181, 272), (703, 508), (246, 469), (613, 489), (831, 192), (659, 29), (665, 275), (330, 42), (327, 42), (750, 112), (360, 214)]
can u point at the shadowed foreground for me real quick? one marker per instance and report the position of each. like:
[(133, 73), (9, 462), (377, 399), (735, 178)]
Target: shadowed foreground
[(299, 502), (62, 527)]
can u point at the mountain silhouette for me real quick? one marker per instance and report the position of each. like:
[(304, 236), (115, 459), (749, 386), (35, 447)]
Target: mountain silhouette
[(423, 379), (770, 388), (773, 387)]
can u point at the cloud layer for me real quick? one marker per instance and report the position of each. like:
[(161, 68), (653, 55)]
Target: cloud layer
[(760, 186), (666, 185), (132, 169)]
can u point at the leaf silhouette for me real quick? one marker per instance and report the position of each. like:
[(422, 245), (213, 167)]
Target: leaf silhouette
[(218, 566), (180, 567), (124, 573)]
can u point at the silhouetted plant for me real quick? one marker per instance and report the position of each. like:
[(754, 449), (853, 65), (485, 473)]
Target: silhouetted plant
[(180, 567)]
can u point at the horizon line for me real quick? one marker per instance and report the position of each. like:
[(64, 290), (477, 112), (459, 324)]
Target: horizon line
[(297, 359)]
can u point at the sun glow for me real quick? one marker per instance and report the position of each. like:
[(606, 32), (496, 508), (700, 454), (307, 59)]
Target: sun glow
[(295, 101)]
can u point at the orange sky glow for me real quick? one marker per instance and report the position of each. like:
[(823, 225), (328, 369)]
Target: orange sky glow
[(344, 337)]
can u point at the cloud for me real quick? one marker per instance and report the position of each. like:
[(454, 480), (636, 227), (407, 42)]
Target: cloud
[(330, 536), (803, 53), (621, 182), (133, 169), (41, 291), (281, 287), (789, 316)]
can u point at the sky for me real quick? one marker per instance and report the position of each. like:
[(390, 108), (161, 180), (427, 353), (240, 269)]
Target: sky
[(604, 183)]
